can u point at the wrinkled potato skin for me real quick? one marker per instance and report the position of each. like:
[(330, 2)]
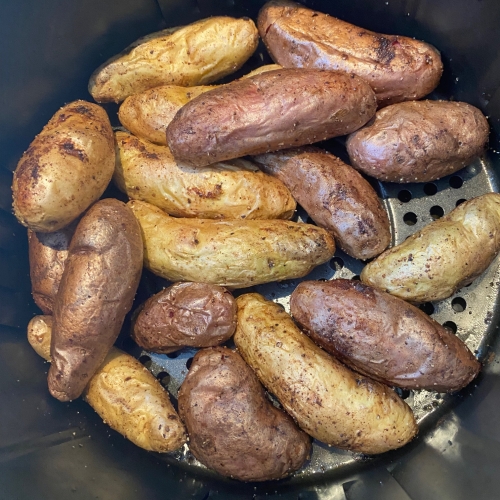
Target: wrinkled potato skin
[(124, 394), (185, 314), (335, 196), (98, 285), (326, 399), (233, 428), (229, 253), (197, 54), (397, 68), (66, 168), (268, 112), (419, 141), (444, 256), (382, 336), (232, 190)]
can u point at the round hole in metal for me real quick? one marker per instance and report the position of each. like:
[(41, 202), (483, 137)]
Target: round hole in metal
[(458, 304), (456, 182), (427, 307), (163, 378), (402, 393), (450, 325), (189, 362), (337, 264), (410, 219), (173, 355), (404, 196), (436, 212), (356, 277), (430, 189), (460, 201), (145, 360)]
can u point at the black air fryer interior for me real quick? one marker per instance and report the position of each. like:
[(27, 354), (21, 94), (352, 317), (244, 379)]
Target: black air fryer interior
[(51, 450)]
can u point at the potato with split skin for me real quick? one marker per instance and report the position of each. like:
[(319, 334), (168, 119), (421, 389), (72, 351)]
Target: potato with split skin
[(233, 428), (66, 168), (196, 54), (444, 256), (232, 253), (382, 336), (124, 394), (235, 189), (185, 315)]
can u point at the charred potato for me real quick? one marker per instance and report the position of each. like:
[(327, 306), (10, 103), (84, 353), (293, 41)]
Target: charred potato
[(335, 196), (66, 168), (327, 400), (185, 314), (382, 336), (98, 285), (444, 256), (419, 141), (232, 190), (199, 53), (267, 112), (233, 428), (398, 68)]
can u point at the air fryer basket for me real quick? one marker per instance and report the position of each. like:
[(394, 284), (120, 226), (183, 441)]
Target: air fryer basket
[(51, 450)]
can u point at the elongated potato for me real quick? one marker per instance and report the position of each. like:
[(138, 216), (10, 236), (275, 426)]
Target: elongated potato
[(444, 256), (397, 67), (233, 428), (268, 112), (382, 336), (230, 190), (335, 196), (97, 288), (327, 400), (124, 394), (229, 253), (66, 168), (199, 53)]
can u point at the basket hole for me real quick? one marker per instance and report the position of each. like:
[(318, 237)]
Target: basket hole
[(460, 201), (163, 378), (410, 219), (404, 196), (436, 212), (189, 362), (337, 264), (450, 325), (456, 182), (427, 307), (430, 189), (146, 361), (356, 277), (173, 355), (402, 393), (458, 304)]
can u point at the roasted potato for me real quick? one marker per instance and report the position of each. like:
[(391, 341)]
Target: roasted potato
[(419, 141), (98, 285), (232, 190), (398, 68), (327, 400), (233, 428), (335, 196), (124, 394), (199, 53), (444, 256), (185, 314), (233, 253), (382, 336), (66, 168), (270, 111)]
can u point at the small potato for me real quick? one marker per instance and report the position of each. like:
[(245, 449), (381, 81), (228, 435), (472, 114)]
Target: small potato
[(185, 314), (419, 141), (199, 53), (398, 68), (382, 336), (268, 112), (326, 399), (335, 196), (66, 168), (231, 190), (233, 428), (444, 256), (124, 394), (233, 253)]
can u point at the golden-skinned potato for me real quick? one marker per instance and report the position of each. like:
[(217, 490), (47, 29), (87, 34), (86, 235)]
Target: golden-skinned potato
[(235, 189), (444, 256), (232, 253), (196, 54)]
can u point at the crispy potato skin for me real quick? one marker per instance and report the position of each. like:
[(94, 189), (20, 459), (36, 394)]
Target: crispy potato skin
[(199, 53), (232, 190), (229, 253), (397, 68), (335, 196), (98, 285), (419, 141), (233, 428), (327, 400), (382, 336), (66, 168), (125, 395), (185, 314), (267, 112), (444, 256)]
